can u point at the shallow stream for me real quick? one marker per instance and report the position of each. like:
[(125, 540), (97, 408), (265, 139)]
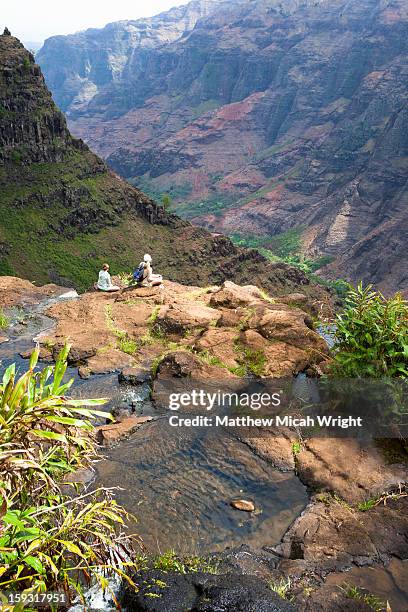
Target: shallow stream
[(177, 483)]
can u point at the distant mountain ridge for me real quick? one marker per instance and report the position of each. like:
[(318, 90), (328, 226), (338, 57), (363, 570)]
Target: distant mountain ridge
[(79, 65), (267, 118)]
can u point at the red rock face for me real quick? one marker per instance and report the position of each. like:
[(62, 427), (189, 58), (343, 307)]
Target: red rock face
[(262, 118)]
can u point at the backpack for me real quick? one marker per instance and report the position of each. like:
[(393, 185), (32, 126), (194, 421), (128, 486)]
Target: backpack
[(139, 273)]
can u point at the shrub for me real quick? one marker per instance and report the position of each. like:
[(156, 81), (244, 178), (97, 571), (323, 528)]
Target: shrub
[(371, 337), (51, 540), (4, 322), (166, 201)]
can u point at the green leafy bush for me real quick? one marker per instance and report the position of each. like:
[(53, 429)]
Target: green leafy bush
[(49, 539), (371, 337)]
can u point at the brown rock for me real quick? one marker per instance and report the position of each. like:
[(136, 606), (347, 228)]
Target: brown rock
[(243, 504), (44, 355), (352, 469), (220, 342), (183, 364), (178, 318), (130, 293), (112, 433), (84, 372), (77, 355), (289, 325), (3, 339), (135, 376), (281, 359), (109, 361), (231, 295), (274, 446), (17, 292), (232, 318), (299, 300), (338, 535)]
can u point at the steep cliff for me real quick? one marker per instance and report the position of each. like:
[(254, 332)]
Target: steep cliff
[(269, 117), (62, 212)]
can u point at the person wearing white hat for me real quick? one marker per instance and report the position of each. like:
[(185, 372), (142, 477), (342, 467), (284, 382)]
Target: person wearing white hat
[(149, 278)]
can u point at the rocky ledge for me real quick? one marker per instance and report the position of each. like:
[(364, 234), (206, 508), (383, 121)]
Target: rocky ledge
[(354, 529), (220, 332)]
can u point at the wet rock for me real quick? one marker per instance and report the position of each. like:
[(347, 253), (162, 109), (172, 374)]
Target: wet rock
[(3, 339), (183, 364), (244, 505), (354, 470), (77, 355), (45, 354), (84, 372), (112, 433), (135, 376), (202, 593)]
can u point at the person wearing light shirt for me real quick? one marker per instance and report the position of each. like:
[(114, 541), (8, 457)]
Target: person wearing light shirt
[(104, 281)]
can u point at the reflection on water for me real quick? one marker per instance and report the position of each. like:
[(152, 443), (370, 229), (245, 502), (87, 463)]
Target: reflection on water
[(179, 484)]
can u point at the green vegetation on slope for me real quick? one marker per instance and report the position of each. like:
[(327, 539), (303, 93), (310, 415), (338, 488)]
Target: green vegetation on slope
[(286, 247)]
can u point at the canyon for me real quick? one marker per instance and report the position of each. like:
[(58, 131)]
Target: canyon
[(63, 212), (257, 118)]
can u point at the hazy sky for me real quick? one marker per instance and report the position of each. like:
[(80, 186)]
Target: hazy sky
[(35, 20)]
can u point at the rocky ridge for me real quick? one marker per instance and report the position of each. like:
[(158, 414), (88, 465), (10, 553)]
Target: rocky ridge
[(63, 212), (202, 333), (265, 117)]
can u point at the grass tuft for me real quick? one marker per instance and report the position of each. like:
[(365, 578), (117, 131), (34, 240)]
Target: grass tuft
[(369, 599), (4, 321), (281, 588)]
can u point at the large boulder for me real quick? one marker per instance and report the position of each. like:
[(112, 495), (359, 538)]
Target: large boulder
[(290, 325), (180, 318), (200, 592), (280, 359), (232, 296), (335, 535), (324, 464)]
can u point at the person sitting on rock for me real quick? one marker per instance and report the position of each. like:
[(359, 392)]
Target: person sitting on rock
[(104, 281), (149, 279)]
